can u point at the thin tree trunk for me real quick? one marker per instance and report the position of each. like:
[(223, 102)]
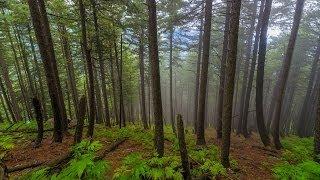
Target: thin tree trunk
[(204, 73), (231, 63), (142, 84), (92, 104), (242, 129), (171, 29), (285, 72), (222, 70), (43, 99), (155, 76), (101, 64), (64, 36), (260, 74), (302, 118)]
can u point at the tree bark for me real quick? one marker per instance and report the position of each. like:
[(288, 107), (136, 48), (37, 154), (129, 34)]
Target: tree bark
[(222, 71), (101, 65), (231, 62), (285, 72), (183, 149), (155, 77), (64, 37), (171, 31), (260, 74), (241, 128), (196, 93), (80, 121), (43, 98), (92, 104), (302, 118), (204, 73), (39, 117), (142, 83), (317, 132), (115, 107), (42, 29)]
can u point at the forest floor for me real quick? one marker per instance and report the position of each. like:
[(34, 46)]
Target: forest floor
[(253, 160)]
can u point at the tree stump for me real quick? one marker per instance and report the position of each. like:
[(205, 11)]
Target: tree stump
[(183, 148)]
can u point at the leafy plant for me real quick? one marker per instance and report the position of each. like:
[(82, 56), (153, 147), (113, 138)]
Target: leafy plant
[(136, 167), (6, 142), (297, 160)]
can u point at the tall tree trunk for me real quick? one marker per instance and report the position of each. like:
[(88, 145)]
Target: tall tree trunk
[(119, 72), (43, 98), (285, 72), (26, 65), (7, 100), (115, 107), (204, 73), (142, 84), (302, 118), (13, 103), (101, 65), (196, 92), (155, 76), (317, 133), (241, 128), (92, 104), (260, 74), (64, 36), (99, 111), (42, 29), (171, 31), (231, 62), (222, 70)]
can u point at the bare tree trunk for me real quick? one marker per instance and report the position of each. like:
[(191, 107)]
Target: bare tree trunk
[(13, 103), (204, 73), (260, 74), (43, 99), (101, 64), (119, 72), (155, 76), (142, 84), (242, 129), (42, 29), (231, 62), (285, 72), (92, 103), (302, 118), (64, 37), (6, 99), (317, 133), (222, 71), (171, 29), (115, 107)]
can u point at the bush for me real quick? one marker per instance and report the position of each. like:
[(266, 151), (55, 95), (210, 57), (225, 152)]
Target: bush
[(297, 160)]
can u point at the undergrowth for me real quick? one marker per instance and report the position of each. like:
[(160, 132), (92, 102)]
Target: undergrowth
[(297, 160), (82, 165)]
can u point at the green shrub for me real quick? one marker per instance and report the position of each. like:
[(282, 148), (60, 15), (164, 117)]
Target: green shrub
[(136, 167), (297, 160)]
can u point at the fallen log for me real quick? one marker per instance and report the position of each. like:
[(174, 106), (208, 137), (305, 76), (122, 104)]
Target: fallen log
[(113, 146)]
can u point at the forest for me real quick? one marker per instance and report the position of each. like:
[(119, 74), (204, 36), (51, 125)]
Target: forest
[(159, 89)]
